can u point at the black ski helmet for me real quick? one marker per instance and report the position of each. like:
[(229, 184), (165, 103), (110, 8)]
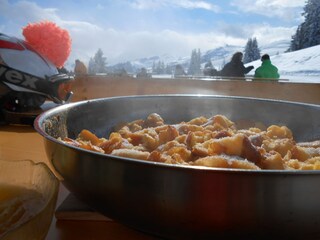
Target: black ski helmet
[(27, 78)]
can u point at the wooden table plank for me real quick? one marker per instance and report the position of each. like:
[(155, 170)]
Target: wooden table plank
[(23, 142)]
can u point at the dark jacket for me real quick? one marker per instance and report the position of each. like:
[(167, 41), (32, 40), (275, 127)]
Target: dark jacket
[(267, 70), (235, 69)]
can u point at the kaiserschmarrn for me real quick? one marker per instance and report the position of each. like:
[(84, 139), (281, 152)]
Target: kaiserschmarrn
[(211, 142)]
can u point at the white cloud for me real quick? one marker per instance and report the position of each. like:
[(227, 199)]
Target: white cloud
[(119, 46), (266, 34), (188, 4), (283, 3), (21, 13), (285, 9), (25, 11)]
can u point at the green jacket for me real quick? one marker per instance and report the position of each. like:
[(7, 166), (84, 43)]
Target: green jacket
[(267, 70)]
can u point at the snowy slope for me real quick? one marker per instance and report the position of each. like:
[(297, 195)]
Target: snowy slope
[(218, 56), (275, 48), (302, 62)]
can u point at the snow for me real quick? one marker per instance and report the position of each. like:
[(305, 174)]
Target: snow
[(298, 66)]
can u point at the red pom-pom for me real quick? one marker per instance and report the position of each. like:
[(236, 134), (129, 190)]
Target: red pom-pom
[(48, 39)]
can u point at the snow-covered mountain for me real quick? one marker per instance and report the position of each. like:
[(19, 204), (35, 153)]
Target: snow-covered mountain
[(218, 56), (291, 65), (167, 59), (275, 48)]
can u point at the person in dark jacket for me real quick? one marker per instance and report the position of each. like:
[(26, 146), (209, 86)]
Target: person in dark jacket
[(267, 69), (235, 67)]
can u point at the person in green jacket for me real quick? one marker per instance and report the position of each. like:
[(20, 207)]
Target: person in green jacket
[(267, 69)]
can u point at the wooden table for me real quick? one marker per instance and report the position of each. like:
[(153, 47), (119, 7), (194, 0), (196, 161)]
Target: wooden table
[(23, 142)]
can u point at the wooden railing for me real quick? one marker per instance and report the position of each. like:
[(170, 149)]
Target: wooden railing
[(246, 78), (89, 87)]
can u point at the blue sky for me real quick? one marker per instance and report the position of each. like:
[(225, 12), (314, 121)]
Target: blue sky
[(130, 29)]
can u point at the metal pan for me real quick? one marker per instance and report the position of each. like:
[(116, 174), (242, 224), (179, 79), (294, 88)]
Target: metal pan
[(181, 202)]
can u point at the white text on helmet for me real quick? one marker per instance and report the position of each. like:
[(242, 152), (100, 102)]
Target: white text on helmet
[(18, 77)]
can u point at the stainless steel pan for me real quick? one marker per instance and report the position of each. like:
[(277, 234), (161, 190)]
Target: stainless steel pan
[(187, 202)]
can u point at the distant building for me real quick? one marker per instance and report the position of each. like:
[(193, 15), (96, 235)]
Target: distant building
[(179, 71), (143, 73)]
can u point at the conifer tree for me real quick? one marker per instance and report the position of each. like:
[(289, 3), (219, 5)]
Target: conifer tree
[(92, 67), (252, 51), (195, 63), (98, 63), (154, 67), (198, 65), (308, 32)]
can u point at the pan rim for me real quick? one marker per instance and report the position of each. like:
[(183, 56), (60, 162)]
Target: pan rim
[(40, 119)]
